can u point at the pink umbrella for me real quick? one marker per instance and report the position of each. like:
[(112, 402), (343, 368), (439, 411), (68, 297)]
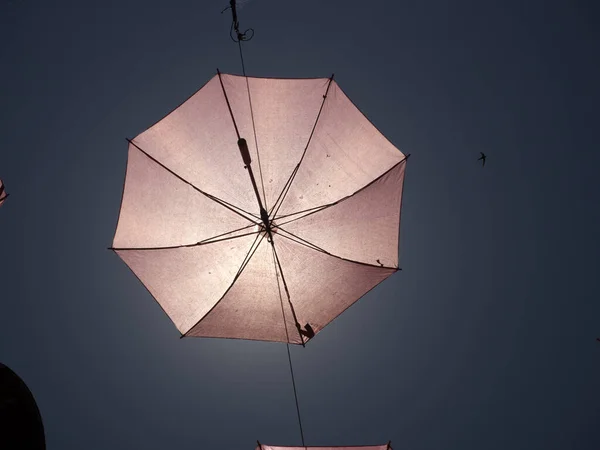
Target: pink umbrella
[(3, 193), (387, 446), (261, 208)]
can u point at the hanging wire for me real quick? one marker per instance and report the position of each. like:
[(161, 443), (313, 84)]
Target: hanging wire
[(262, 183), (275, 260), (238, 37), (235, 25)]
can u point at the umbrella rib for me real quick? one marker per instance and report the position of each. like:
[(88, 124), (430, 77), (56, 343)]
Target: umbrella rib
[(287, 293), (299, 240), (317, 209), (206, 241), (212, 240), (245, 262), (246, 159), (144, 285), (308, 210), (229, 206), (312, 246), (288, 184)]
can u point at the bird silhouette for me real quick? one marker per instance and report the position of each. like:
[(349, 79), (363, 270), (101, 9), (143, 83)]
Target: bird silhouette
[(482, 159)]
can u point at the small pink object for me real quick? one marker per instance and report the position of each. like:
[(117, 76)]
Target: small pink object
[(3, 193)]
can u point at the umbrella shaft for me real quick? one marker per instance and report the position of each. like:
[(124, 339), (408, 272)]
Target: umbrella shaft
[(260, 205)]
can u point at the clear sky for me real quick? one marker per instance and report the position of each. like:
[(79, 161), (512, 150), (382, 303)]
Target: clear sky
[(485, 339)]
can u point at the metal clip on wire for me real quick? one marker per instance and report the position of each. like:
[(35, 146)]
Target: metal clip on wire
[(235, 25)]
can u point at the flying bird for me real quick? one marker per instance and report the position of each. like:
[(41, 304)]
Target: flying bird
[(482, 159)]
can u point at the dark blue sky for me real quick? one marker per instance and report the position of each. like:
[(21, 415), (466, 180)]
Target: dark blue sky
[(485, 340)]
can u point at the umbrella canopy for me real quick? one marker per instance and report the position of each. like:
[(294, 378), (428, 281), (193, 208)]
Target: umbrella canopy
[(261, 208), (364, 447), (3, 193)]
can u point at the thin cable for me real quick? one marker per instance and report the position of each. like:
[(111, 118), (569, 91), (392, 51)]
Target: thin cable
[(295, 394), (288, 349), (241, 37), (242, 59), (262, 183), (235, 25)]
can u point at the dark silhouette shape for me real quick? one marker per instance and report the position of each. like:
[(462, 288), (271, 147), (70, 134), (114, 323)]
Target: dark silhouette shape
[(482, 159), (598, 339), (308, 331), (235, 24), (20, 420), (380, 263)]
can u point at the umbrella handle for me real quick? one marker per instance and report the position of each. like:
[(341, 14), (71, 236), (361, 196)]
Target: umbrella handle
[(243, 146)]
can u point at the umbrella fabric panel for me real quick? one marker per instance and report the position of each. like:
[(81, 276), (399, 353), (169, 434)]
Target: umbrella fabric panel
[(284, 113), (363, 227), (345, 153), (254, 306), (3, 193), (198, 142), (160, 210), (187, 282), (366, 447), (323, 286)]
